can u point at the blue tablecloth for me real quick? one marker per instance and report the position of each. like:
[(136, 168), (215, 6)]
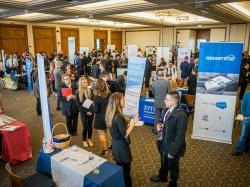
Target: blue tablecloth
[(111, 175)]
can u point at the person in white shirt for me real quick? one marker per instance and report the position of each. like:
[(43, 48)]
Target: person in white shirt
[(171, 70)]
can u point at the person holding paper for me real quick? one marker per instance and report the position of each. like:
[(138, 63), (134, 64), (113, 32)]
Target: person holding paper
[(84, 100), (100, 103), (69, 106), (119, 130)]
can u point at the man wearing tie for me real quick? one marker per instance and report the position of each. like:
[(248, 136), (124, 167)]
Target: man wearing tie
[(173, 144), (171, 70)]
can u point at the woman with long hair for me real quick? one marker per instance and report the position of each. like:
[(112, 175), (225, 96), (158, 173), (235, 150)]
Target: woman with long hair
[(100, 102), (119, 130), (84, 94)]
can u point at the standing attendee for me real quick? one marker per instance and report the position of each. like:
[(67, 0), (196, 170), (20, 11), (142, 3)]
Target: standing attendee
[(84, 97), (85, 62), (124, 60), (171, 70), (162, 63), (192, 82), (68, 101), (244, 79), (184, 66), (77, 60), (244, 139), (58, 81), (173, 144), (51, 75), (148, 70), (100, 102), (119, 130), (95, 71), (159, 90), (139, 53)]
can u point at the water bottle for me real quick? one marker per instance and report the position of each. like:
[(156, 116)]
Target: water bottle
[(44, 144)]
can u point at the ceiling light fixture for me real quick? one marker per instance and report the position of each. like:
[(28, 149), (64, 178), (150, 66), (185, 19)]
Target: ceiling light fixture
[(117, 23), (162, 15), (93, 21)]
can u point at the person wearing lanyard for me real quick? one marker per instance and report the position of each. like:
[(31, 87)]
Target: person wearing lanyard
[(173, 143), (244, 139)]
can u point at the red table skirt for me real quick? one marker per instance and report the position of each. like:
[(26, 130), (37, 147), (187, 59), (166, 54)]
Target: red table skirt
[(16, 144)]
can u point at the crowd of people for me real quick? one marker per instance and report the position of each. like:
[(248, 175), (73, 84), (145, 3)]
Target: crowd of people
[(97, 93)]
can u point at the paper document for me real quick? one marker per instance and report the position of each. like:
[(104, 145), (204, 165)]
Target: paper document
[(87, 103), (217, 82), (9, 128)]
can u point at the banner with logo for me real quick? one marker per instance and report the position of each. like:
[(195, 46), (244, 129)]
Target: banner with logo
[(216, 92), (136, 66), (162, 52), (150, 50), (28, 67), (182, 52), (71, 44)]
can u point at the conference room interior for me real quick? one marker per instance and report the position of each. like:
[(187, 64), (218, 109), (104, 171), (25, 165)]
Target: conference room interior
[(34, 26)]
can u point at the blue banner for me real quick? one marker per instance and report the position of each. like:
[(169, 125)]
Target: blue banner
[(28, 67), (216, 91), (220, 57)]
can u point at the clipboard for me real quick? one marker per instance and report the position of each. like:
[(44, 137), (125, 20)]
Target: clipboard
[(87, 103)]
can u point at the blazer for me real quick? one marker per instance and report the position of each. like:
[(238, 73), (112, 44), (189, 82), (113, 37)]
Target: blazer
[(120, 145), (174, 132), (159, 89), (69, 108)]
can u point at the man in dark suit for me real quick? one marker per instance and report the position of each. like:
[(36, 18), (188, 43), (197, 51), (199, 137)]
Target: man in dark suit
[(85, 62), (172, 144)]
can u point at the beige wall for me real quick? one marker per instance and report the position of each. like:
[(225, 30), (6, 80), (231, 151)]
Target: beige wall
[(143, 38), (218, 35)]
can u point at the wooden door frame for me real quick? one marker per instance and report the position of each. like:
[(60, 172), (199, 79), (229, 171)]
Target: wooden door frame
[(44, 27), (78, 35), (25, 34), (96, 30)]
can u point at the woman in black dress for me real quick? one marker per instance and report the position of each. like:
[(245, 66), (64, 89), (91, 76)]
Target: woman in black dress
[(100, 102), (69, 106), (84, 94), (119, 130)]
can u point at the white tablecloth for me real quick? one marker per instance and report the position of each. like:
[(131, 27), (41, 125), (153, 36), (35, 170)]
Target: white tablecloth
[(69, 166)]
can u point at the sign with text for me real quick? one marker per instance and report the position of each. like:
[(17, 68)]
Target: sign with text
[(216, 91), (136, 66)]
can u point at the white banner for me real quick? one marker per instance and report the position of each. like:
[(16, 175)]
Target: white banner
[(3, 59), (216, 92), (136, 66), (84, 49), (111, 47), (162, 52), (182, 52), (44, 98), (132, 50), (71, 44)]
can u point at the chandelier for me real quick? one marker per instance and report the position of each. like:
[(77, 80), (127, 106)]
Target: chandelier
[(162, 15)]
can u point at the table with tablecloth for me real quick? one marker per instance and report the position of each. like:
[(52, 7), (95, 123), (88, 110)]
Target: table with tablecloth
[(16, 145), (147, 108), (64, 171)]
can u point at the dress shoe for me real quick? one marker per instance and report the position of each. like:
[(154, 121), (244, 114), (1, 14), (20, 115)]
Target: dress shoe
[(235, 153), (157, 179)]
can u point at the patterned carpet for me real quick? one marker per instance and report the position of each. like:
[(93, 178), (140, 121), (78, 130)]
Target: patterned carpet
[(205, 163)]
